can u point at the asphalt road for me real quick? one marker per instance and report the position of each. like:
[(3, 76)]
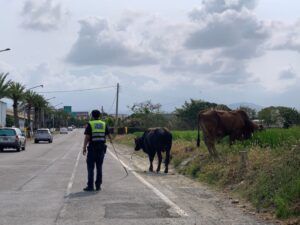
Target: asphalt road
[(43, 185)]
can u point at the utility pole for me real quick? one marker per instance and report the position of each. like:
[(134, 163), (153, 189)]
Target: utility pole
[(117, 109)]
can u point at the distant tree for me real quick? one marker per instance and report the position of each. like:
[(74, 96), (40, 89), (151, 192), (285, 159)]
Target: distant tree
[(290, 116), (279, 116), (250, 112), (39, 104), (187, 114), (109, 121), (16, 93), (145, 107), (146, 114), (29, 101)]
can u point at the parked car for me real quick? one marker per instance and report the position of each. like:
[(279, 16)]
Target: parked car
[(70, 128), (63, 130), (43, 134), (12, 138)]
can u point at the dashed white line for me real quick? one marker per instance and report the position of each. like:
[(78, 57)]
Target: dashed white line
[(177, 209)]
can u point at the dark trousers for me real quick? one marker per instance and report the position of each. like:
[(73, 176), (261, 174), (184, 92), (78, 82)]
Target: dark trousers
[(95, 156)]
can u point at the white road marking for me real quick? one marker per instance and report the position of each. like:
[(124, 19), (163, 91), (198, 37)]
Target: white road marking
[(71, 181), (177, 209)]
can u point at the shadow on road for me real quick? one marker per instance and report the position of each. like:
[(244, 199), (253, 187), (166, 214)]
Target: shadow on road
[(42, 142), (153, 174), (81, 194)]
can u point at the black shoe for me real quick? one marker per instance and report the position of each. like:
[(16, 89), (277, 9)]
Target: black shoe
[(98, 188), (88, 189)]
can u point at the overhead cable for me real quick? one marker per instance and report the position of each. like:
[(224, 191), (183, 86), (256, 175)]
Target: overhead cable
[(76, 90)]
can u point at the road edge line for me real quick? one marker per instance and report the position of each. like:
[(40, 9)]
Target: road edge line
[(71, 181), (162, 196)]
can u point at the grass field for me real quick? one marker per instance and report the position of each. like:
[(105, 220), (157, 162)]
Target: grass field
[(271, 138)]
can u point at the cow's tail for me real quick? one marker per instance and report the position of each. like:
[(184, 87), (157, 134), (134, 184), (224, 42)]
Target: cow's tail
[(198, 137)]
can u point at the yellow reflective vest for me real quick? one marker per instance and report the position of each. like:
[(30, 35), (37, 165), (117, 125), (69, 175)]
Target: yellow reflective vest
[(98, 130)]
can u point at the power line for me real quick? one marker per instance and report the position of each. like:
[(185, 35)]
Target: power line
[(109, 111), (76, 90)]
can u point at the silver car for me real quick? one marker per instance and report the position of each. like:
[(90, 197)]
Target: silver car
[(43, 134), (12, 138), (63, 130)]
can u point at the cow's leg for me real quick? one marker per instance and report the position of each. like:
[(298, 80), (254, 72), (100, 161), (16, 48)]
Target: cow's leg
[(159, 161), (231, 139), (208, 145), (151, 157), (215, 153), (167, 160)]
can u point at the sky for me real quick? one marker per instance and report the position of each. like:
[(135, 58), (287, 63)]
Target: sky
[(223, 51)]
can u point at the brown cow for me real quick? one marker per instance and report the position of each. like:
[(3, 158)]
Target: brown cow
[(217, 124)]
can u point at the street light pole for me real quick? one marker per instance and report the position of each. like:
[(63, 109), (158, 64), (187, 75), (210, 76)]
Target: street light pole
[(50, 98), (53, 113), (41, 85), (28, 89), (4, 50), (43, 111)]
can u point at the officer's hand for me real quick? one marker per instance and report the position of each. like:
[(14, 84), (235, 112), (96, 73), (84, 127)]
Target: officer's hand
[(84, 151)]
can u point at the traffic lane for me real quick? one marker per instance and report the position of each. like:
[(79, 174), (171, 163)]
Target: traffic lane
[(32, 150), (122, 200), (39, 199), (17, 169)]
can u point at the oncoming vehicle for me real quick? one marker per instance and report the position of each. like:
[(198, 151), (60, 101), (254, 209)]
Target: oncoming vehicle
[(70, 128), (12, 138), (63, 130), (43, 134)]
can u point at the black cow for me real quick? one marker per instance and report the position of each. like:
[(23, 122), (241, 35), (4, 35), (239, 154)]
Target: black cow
[(155, 140)]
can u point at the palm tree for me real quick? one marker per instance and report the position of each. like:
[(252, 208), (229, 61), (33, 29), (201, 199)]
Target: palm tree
[(4, 85), (39, 103), (29, 101), (16, 93)]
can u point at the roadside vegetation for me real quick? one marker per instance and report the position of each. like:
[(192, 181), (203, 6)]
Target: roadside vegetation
[(38, 109), (271, 179), (270, 176)]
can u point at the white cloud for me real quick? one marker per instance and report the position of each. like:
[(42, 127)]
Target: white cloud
[(99, 43), (285, 36), (42, 15), (236, 34), (128, 18), (232, 34), (210, 7)]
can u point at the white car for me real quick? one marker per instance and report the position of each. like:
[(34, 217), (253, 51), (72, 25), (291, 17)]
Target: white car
[(70, 128), (43, 134), (63, 130)]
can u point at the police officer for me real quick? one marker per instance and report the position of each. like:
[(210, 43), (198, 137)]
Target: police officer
[(94, 144)]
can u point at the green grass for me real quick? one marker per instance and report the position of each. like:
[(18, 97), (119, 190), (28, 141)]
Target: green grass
[(178, 135), (275, 137)]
